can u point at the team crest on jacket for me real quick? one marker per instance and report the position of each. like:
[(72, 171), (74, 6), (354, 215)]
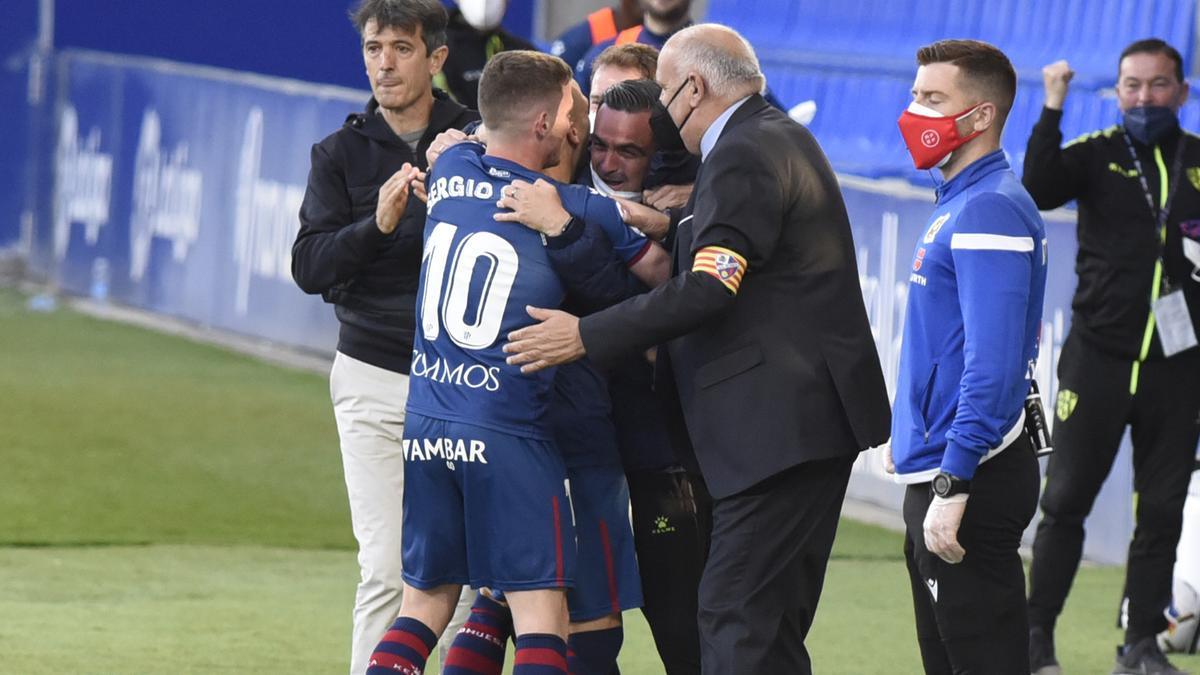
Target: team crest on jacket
[(936, 227), (1066, 404), (727, 265), (1193, 174)]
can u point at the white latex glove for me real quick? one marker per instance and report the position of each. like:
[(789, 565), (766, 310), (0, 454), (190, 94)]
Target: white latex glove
[(941, 527)]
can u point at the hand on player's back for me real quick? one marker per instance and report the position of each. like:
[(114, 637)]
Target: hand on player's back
[(552, 341), (446, 139), (535, 205)]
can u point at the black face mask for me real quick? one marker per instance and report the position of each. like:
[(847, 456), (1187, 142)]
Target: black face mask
[(679, 126), (666, 134), (1150, 124)]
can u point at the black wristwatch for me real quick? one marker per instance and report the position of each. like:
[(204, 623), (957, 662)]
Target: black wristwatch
[(560, 239), (948, 485)]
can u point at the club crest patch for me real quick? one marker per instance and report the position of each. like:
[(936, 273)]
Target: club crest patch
[(936, 227), (1066, 404), (727, 266), (1193, 174)]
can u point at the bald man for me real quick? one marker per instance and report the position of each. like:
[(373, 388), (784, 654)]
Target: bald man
[(763, 334)]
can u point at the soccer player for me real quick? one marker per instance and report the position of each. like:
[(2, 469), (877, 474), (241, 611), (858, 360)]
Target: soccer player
[(486, 503), (607, 580), (671, 507), (359, 247)]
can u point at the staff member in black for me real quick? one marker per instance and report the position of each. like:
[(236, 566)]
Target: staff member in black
[(768, 345), (1130, 357), (474, 35)]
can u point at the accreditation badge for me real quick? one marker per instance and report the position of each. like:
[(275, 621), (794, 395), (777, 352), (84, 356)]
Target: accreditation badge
[(1175, 330)]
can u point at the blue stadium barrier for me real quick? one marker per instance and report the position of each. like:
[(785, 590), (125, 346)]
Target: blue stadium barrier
[(18, 50), (176, 189)]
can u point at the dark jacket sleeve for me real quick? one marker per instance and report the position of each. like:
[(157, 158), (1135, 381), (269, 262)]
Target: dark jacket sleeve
[(1055, 175), (331, 248), (677, 307), (740, 200), (595, 278)]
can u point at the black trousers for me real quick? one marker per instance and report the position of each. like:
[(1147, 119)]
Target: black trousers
[(672, 523), (766, 567), (1093, 408), (971, 616)]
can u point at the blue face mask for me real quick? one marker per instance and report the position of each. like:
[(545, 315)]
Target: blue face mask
[(1150, 124)]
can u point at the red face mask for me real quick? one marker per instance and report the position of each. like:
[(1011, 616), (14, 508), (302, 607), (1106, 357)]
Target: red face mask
[(931, 136)]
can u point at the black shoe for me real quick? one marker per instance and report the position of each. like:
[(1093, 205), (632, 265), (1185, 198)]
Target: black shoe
[(1144, 658), (1041, 653)]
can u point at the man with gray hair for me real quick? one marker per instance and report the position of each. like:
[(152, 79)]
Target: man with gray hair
[(764, 336)]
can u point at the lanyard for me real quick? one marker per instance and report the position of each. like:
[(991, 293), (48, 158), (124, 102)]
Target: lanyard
[(1160, 212)]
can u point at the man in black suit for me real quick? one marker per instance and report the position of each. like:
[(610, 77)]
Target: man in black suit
[(767, 344)]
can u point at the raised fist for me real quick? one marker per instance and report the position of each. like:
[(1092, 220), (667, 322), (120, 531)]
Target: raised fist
[(1056, 77)]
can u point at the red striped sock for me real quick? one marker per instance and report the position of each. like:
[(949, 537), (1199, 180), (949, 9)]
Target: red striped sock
[(403, 649), (540, 654), (478, 649)]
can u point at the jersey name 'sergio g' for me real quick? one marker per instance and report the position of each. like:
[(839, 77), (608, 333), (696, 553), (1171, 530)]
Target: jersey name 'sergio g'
[(477, 277)]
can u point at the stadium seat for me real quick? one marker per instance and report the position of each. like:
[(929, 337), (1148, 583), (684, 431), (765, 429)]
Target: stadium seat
[(882, 35), (855, 58)]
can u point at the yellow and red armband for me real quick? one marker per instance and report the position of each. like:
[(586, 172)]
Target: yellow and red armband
[(722, 263)]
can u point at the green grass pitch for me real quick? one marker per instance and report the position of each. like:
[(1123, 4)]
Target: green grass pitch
[(167, 506)]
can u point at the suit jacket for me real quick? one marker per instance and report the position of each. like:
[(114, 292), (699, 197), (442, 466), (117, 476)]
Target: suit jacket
[(784, 371)]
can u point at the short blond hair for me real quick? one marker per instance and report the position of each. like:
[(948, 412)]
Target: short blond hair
[(633, 56), (517, 83)]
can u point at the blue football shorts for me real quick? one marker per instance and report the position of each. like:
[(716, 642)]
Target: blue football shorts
[(484, 508)]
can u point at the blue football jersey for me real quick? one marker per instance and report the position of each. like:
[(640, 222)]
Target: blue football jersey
[(477, 277)]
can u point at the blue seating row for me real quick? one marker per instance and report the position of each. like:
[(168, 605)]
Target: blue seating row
[(883, 35), (856, 59), (857, 112)]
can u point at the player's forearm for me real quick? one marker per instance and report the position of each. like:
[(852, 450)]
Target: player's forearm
[(653, 268), (595, 278)]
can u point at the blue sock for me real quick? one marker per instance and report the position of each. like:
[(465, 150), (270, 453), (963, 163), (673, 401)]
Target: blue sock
[(595, 652), (478, 649), (404, 649), (540, 654)]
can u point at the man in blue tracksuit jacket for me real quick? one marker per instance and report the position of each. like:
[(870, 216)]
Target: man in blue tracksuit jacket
[(970, 338)]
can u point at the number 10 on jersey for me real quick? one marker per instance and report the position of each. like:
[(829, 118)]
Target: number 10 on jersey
[(484, 267)]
